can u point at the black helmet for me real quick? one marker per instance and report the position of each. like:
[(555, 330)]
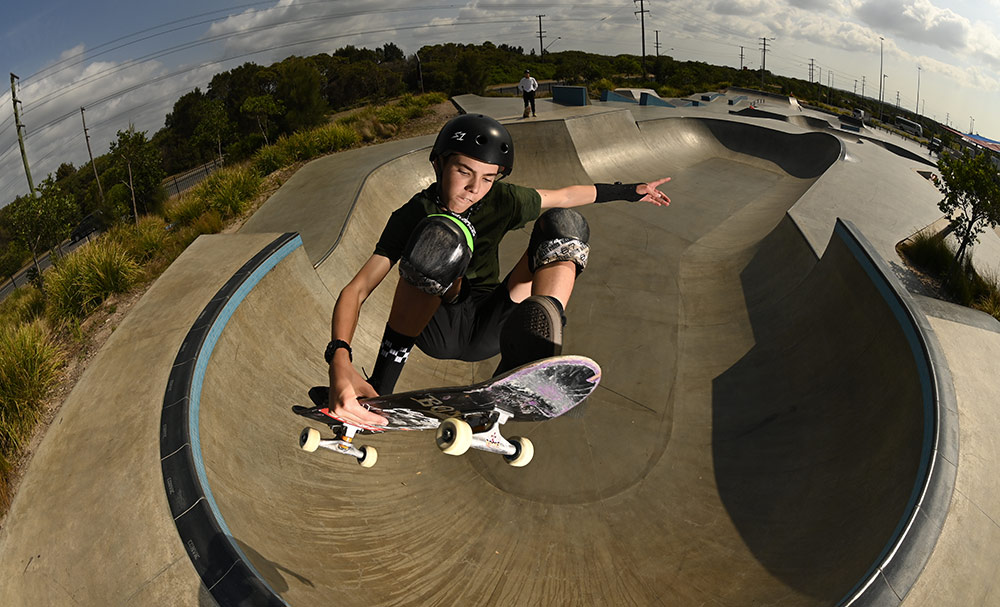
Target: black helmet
[(476, 136)]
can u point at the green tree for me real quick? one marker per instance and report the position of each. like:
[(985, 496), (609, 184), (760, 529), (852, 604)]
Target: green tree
[(137, 166), (300, 90), (40, 223), (470, 77), (971, 188), (12, 259), (213, 126), (261, 108)]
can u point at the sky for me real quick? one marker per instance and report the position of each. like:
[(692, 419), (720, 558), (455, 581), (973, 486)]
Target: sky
[(126, 62)]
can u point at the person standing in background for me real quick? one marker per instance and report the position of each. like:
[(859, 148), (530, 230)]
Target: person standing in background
[(528, 86)]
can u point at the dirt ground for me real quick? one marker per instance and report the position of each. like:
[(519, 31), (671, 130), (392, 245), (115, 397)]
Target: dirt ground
[(95, 330)]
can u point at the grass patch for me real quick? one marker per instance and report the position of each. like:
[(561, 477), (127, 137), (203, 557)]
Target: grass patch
[(81, 281), (228, 191), (23, 305), (29, 366), (964, 285)]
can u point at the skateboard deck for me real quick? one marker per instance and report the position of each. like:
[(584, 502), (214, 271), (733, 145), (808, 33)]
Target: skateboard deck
[(538, 391)]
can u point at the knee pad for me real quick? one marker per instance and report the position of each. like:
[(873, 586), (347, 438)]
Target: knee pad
[(559, 235), (437, 254)]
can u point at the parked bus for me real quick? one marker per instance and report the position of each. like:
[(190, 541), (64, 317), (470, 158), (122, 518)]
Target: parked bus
[(909, 126)]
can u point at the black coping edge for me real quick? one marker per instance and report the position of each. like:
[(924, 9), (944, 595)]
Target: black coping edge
[(224, 569), (893, 575)]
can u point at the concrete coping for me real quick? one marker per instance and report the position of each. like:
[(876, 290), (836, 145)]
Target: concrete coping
[(223, 567), (903, 558)]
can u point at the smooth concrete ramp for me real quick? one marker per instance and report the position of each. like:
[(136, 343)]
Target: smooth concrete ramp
[(776, 424), (720, 460)]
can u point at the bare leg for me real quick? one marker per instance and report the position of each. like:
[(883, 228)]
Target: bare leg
[(556, 279), (412, 309)]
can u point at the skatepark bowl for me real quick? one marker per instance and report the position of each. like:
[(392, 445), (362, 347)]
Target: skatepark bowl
[(775, 425)]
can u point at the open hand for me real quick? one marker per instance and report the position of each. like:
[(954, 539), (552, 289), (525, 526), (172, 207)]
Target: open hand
[(653, 195)]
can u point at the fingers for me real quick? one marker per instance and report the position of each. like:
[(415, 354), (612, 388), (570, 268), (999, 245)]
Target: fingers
[(655, 196), (356, 414)]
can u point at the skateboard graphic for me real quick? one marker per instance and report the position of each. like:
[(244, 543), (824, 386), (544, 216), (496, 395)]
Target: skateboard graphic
[(465, 416)]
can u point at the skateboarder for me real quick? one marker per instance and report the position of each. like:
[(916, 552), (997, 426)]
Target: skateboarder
[(528, 86), (450, 300)]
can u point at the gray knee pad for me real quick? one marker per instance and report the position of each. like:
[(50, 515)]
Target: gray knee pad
[(559, 235), (437, 253)]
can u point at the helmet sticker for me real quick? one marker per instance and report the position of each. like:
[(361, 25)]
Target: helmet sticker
[(459, 136)]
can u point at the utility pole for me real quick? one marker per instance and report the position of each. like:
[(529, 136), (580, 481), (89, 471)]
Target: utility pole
[(897, 100), (741, 58), (811, 68), (918, 90), (763, 60), (862, 86), (947, 119), (972, 125), (642, 19), (540, 32), (657, 45), (855, 86), (86, 136), (20, 131)]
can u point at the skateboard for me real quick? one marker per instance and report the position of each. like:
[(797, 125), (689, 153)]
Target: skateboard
[(465, 416)]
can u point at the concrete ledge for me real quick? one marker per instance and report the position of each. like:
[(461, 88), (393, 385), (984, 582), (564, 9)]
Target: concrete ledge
[(653, 100), (613, 96), (569, 95)]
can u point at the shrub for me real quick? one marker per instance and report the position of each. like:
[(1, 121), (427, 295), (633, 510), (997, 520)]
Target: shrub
[(143, 241), (210, 222), (24, 304), (227, 191), (391, 114), (335, 137), (29, 366), (84, 279), (929, 251), (269, 159), (185, 210)]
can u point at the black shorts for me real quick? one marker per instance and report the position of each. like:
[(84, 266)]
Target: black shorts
[(468, 329)]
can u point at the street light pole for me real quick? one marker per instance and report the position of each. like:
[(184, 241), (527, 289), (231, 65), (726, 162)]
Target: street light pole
[(881, 78), (918, 90)]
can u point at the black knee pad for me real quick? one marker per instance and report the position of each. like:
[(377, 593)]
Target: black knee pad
[(437, 254), (559, 235)]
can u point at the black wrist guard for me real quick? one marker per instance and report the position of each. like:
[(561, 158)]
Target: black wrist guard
[(332, 347), (607, 192)]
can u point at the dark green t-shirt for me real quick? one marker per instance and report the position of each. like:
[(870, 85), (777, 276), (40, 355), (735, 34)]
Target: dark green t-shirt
[(506, 207)]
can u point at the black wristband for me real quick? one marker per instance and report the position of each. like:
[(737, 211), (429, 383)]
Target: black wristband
[(333, 346), (607, 192)]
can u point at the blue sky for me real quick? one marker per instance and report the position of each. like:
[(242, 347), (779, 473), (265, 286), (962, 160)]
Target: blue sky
[(127, 62)]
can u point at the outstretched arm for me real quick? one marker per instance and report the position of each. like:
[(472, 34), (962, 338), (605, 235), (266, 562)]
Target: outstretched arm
[(346, 384), (578, 195)]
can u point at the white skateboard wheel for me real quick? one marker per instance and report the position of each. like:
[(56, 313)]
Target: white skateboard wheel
[(309, 439), (525, 451), (454, 436), (369, 457)]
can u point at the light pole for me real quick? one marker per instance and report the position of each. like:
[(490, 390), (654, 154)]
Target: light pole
[(881, 78), (918, 90), (882, 105)]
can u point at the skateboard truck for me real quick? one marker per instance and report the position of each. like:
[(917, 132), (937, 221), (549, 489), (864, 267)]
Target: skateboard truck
[(310, 440), (455, 436)]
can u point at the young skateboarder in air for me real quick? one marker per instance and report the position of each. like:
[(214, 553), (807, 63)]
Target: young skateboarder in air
[(450, 301)]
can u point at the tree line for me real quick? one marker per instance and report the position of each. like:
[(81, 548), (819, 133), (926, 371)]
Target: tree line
[(251, 106)]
